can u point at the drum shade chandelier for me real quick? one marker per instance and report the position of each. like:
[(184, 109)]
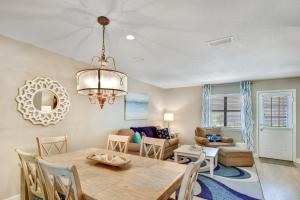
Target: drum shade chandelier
[(105, 83)]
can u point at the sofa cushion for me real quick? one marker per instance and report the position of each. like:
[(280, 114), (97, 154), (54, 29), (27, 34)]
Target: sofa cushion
[(227, 140), (204, 131), (219, 144), (150, 131), (171, 142), (133, 147), (137, 138), (163, 133), (214, 137), (127, 132)]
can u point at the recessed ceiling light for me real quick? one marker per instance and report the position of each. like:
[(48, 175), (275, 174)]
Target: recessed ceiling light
[(130, 37)]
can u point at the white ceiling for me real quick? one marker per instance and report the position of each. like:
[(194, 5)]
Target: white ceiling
[(170, 49)]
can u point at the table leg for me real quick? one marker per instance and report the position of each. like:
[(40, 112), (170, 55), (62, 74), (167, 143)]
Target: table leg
[(216, 160), (211, 165), (176, 157)]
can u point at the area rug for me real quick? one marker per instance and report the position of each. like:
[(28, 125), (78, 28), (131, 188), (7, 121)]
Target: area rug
[(228, 183)]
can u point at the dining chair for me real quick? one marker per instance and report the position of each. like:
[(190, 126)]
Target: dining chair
[(152, 148), (31, 174), (61, 182), (190, 178), (47, 145), (118, 143)]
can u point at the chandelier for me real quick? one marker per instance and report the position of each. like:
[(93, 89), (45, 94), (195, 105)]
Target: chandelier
[(105, 83)]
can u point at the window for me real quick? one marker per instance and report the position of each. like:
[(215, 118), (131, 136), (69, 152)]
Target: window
[(226, 111), (276, 111)]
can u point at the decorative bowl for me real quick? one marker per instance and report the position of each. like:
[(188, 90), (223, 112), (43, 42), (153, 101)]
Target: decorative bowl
[(109, 159)]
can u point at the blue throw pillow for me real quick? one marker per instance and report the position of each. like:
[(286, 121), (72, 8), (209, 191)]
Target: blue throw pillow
[(137, 138), (163, 133), (214, 137)]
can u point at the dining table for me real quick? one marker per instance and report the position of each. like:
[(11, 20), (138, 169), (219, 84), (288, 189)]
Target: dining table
[(142, 179)]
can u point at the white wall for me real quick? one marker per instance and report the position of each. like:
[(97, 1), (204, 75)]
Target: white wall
[(186, 105), (86, 124)]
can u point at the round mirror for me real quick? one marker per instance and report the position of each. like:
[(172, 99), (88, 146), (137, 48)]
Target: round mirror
[(45, 101)]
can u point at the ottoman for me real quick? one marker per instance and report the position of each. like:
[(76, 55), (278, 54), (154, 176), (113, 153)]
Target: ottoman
[(235, 156)]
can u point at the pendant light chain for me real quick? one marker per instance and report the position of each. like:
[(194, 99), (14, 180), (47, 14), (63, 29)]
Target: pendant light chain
[(103, 44)]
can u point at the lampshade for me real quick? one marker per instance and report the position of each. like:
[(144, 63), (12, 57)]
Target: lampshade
[(169, 117), (105, 81)]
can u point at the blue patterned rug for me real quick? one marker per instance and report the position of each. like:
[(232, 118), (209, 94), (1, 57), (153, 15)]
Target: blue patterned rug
[(228, 183)]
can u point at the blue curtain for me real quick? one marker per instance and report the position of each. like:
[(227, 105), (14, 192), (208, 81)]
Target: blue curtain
[(206, 106), (246, 113)]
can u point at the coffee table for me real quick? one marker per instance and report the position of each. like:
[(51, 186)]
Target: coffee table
[(211, 154)]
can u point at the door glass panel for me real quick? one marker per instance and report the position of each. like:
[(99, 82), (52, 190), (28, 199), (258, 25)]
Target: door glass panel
[(276, 111)]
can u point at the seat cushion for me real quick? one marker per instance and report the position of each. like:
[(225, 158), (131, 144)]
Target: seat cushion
[(235, 156), (219, 144), (234, 152)]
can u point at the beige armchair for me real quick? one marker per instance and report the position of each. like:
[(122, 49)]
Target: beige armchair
[(201, 139), (133, 148)]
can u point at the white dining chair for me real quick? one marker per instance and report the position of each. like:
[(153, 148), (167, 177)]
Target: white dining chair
[(118, 143), (31, 174), (190, 178), (47, 145), (61, 182), (152, 148)]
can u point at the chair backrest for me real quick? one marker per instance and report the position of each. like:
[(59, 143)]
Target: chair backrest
[(47, 145), (61, 182), (118, 143), (189, 179), (31, 174), (202, 132), (152, 148)]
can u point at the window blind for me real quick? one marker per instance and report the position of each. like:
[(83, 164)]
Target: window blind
[(226, 110)]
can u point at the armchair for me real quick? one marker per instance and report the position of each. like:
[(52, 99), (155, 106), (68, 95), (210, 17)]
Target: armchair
[(201, 139)]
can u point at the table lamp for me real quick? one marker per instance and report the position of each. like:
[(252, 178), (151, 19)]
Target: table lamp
[(169, 117)]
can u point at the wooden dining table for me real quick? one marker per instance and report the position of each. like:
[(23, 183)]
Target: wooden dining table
[(142, 179)]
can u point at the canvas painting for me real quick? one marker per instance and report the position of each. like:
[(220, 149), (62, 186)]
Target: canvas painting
[(136, 106)]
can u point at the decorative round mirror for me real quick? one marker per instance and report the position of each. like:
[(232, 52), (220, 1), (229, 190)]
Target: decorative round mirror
[(43, 101)]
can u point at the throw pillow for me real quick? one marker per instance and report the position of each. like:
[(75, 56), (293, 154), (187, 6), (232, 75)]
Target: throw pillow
[(163, 133), (137, 138), (214, 137)]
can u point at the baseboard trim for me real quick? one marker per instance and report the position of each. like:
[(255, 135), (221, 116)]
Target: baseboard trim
[(255, 155), (16, 197), (297, 160)]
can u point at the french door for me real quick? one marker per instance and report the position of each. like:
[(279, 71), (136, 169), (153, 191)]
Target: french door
[(275, 128)]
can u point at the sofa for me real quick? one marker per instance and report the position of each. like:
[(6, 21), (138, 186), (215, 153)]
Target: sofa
[(202, 140), (150, 131)]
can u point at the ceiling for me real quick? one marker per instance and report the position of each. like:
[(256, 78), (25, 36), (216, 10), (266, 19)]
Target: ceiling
[(170, 49)]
